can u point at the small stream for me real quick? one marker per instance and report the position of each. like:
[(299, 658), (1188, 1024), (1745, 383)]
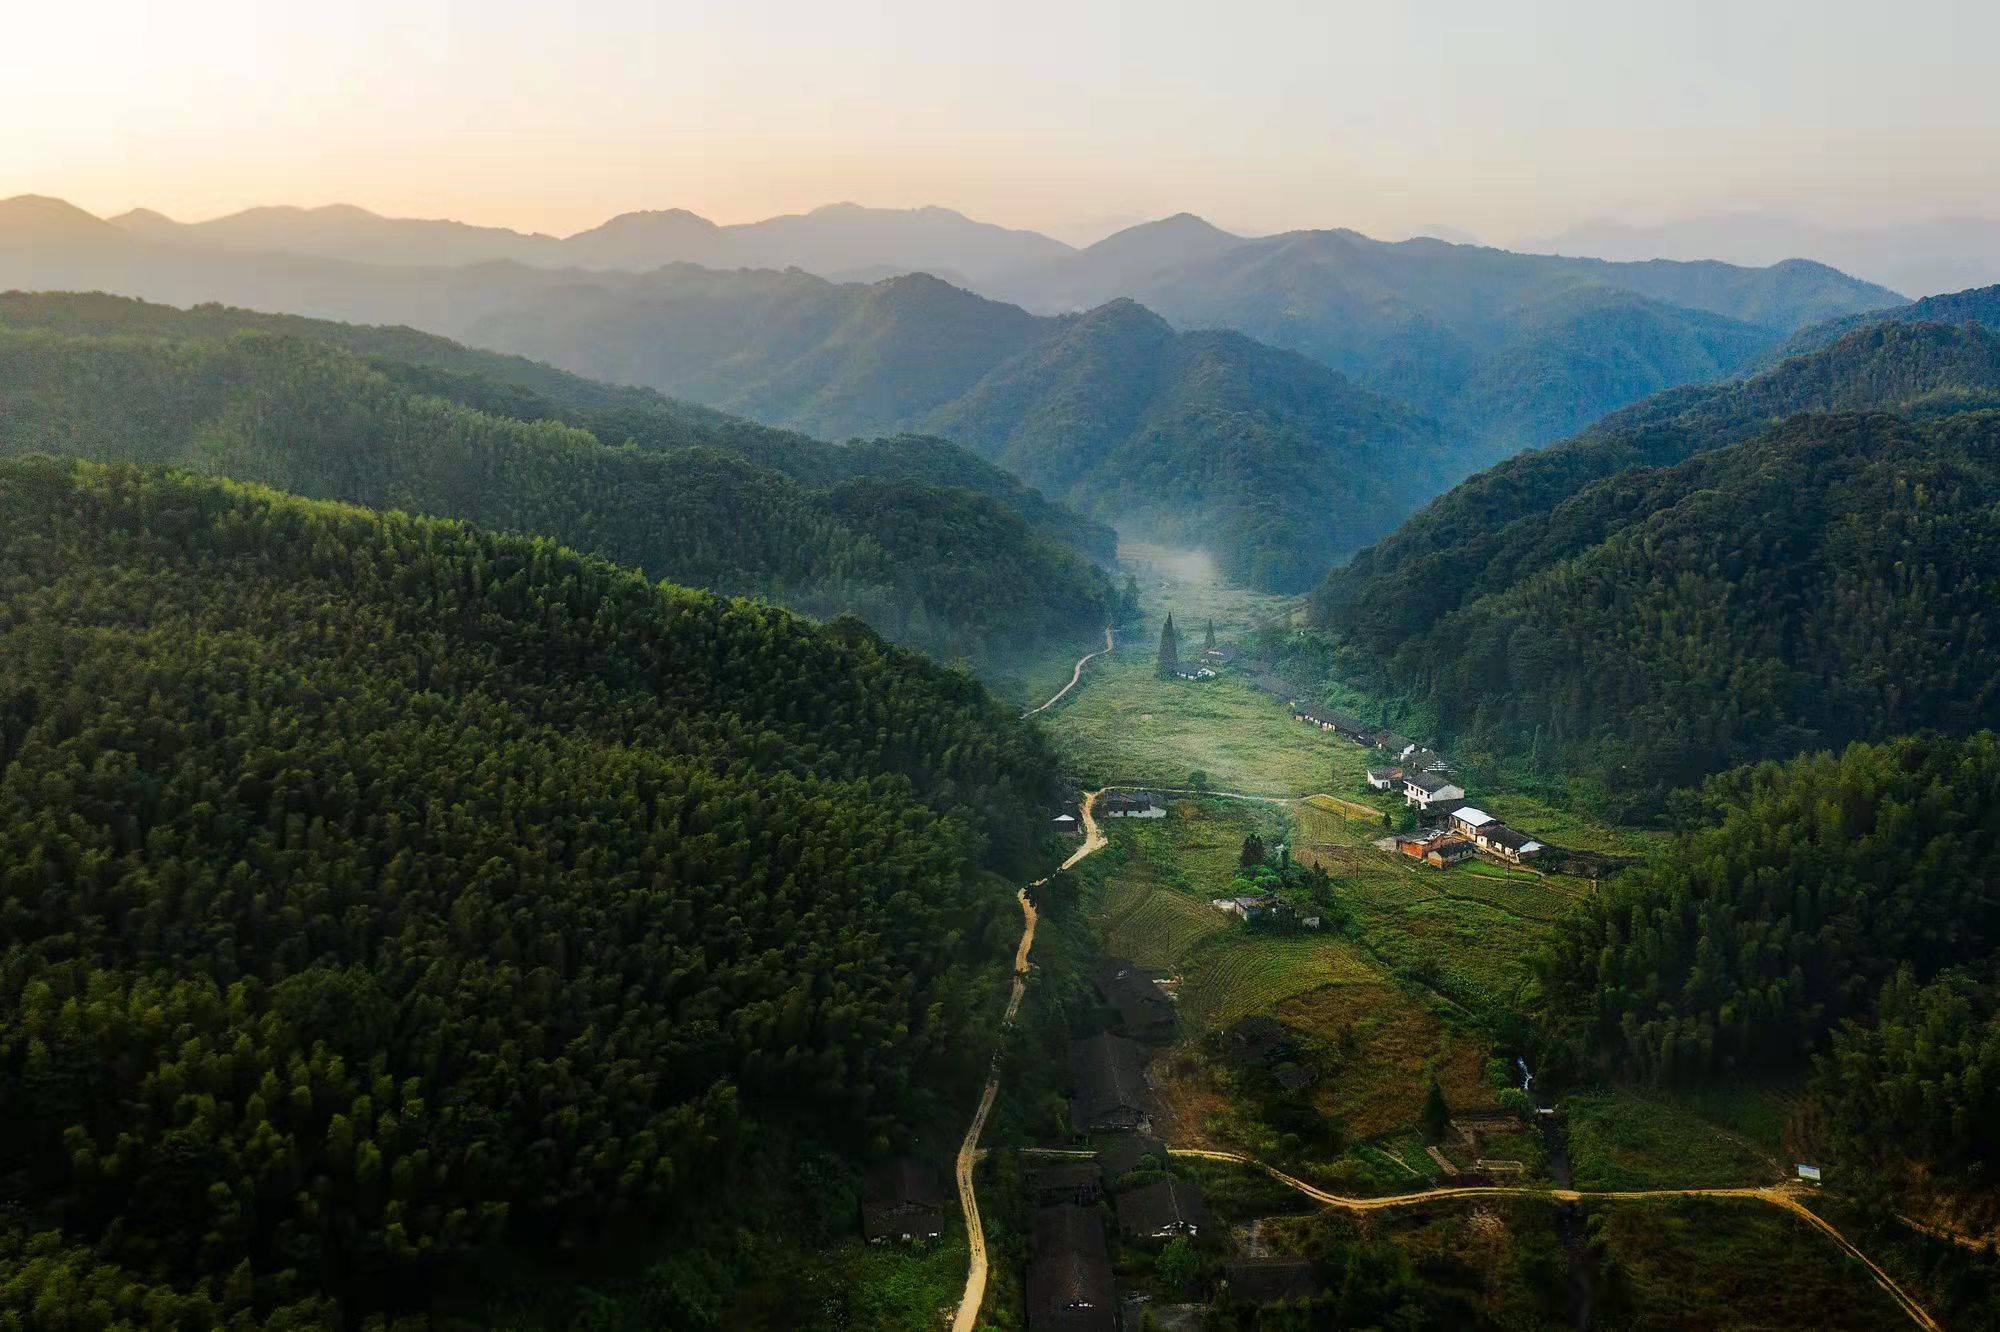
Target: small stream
[(1569, 1216)]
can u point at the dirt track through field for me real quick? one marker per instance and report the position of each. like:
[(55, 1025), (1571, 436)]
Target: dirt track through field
[(968, 1151), (1075, 677), (1784, 1197)]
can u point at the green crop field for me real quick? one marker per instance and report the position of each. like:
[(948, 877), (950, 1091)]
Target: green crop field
[(1629, 1140), (1156, 927), (1130, 726), (1243, 971)]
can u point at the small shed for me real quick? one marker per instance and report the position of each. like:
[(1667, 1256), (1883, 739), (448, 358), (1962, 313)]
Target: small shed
[(1163, 1210), (902, 1199)]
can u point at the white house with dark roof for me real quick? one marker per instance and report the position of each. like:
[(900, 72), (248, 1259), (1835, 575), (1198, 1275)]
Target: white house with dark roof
[(1424, 789)]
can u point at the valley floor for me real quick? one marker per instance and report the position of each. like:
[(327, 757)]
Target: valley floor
[(1414, 979)]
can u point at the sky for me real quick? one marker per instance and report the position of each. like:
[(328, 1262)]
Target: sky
[(1506, 120)]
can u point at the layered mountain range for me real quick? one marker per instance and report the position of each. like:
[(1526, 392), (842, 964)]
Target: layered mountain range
[(1280, 402)]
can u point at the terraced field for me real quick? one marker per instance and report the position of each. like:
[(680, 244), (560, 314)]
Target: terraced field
[(1157, 927), (1240, 972)]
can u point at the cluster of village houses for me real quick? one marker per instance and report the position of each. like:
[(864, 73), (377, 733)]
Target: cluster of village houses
[(1457, 830)]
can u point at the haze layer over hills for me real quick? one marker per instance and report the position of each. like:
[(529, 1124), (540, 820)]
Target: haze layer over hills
[(837, 240), (1916, 258), (1168, 426)]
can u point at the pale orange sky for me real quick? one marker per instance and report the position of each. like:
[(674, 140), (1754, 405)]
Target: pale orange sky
[(1501, 119)]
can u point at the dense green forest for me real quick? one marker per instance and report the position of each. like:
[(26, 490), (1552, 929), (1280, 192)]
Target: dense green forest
[(1797, 894), (1831, 918), (1976, 305), (513, 386), (1920, 1079), (1515, 518), (948, 569), (1634, 621), (379, 893)]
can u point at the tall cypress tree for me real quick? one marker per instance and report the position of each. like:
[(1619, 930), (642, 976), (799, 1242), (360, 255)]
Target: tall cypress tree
[(1170, 647), (1210, 644)]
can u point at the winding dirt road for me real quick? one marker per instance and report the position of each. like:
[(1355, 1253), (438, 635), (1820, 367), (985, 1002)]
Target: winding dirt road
[(1075, 677), (968, 1151), (1783, 1196)]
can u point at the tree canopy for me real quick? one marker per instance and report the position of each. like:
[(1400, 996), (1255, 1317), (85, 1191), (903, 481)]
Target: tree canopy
[(379, 892)]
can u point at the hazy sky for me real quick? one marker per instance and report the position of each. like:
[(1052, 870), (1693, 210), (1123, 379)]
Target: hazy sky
[(1504, 119)]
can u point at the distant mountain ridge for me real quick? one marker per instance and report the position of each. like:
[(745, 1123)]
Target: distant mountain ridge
[(831, 240), (1979, 306), (1276, 464), (1916, 258), (1509, 350), (1255, 448)]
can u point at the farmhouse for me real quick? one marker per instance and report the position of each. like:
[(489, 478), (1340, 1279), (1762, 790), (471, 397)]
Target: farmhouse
[(1311, 717), (1435, 847), (1132, 805), (1077, 1182), (1419, 759), (1467, 821), (1069, 1276), (1262, 1281), (1385, 779), (902, 1199), (1144, 1010), (1448, 851), (1508, 844), (1253, 907), (1424, 790), (1165, 1209), (1126, 1152), (1067, 826), (1395, 746), (1107, 1084)]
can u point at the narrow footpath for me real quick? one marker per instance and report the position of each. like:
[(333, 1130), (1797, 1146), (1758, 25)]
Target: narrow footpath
[(968, 1151)]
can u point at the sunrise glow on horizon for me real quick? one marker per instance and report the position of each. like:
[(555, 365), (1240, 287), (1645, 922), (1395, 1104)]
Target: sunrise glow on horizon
[(1262, 116)]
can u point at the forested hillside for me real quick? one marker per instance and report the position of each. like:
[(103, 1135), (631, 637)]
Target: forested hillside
[(1273, 463), (1517, 517), (381, 894), (1507, 350), (526, 390), (1976, 305), (310, 418), (1270, 461), (1821, 894), (1828, 580)]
